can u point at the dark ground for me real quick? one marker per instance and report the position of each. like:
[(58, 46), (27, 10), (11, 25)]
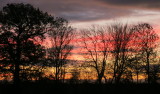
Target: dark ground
[(52, 88)]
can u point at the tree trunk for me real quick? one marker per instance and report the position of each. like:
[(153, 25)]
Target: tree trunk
[(99, 80), (137, 77), (117, 80), (148, 66), (17, 64), (16, 73)]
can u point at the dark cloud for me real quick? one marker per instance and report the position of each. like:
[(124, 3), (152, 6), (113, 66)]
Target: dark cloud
[(90, 15), (149, 4), (80, 10), (75, 10), (88, 10), (4, 2)]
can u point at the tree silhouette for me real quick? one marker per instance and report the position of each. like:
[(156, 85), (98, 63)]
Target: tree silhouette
[(75, 75), (146, 41), (136, 64), (32, 59), (20, 23), (121, 36), (95, 42), (60, 36)]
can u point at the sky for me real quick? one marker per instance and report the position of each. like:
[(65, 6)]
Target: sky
[(84, 13)]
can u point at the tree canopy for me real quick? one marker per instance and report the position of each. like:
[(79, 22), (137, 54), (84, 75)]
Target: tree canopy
[(20, 26)]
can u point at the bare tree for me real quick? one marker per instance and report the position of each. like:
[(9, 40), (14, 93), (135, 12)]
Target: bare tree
[(95, 42), (120, 36), (136, 64), (146, 41), (60, 36)]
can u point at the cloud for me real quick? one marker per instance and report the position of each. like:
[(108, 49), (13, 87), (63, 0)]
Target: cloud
[(75, 10), (148, 4), (89, 10), (80, 10)]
